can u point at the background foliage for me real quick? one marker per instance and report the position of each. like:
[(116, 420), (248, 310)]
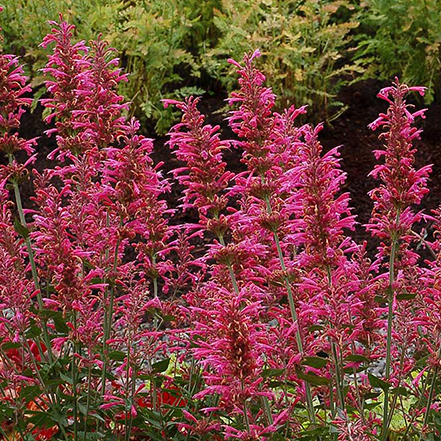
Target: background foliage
[(402, 38), (310, 48), (304, 45)]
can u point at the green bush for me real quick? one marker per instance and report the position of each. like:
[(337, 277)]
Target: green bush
[(158, 42), (304, 47), (402, 37), (179, 47)]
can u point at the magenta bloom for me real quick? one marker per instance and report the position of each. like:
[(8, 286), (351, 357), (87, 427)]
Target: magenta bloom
[(402, 186), (204, 175), (322, 215)]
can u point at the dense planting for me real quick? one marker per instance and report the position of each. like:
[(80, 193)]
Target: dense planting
[(262, 320)]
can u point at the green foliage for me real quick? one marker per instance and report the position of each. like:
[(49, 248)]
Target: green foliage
[(403, 38), (180, 47), (303, 45), (157, 41), (153, 38)]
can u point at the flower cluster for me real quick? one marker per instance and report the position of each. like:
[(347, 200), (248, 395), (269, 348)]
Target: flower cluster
[(248, 312)]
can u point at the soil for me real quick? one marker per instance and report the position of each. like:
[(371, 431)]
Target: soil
[(349, 130)]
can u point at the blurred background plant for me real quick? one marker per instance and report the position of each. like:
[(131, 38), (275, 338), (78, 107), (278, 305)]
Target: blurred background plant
[(305, 48), (158, 43), (402, 38), (310, 48)]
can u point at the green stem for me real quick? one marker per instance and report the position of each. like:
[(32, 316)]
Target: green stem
[(245, 411), (33, 265), (423, 390), (126, 438), (395, 398), (155, 396), (132, 394), (294, 315), (37, 372), (89, 376), (74, 379), (332, 402), (390, 300), (429, 400), (3, 433), (108, 317), (339, 377)]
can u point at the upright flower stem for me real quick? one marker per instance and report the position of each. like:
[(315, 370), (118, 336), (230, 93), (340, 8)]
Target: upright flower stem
[(3, 433), (86, 417), (395, 398), (132, 395), (33, 266), (293, 310), (131, 384), (108, 317), (390, 300), (420, 399), (75, 380), (339, 378), (431, 393)]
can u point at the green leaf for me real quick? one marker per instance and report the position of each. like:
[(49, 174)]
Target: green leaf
[(313, 379), (315, 362), (272, 372), (315, 328), (66, 378), (60, 325), (117, 355), (378, 382), (370, 406), (28, 437), (30, 392), (33, 331), (406, 296), (83, 408), (168, 318), (370, 395), (400, 391), (11, 345), (21, 229), (161, 366), (45, 313), (350, 370), (41, 419), (357, 358), (422, 362)]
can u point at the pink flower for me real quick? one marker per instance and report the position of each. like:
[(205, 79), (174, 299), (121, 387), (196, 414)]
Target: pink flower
[(204, 175), (402, 186)]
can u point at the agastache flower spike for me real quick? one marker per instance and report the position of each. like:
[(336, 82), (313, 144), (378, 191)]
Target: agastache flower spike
[(231, 349), (264, 133), (321, 213), (393, 216), (254, 120), (65, 65), (13, 85), (402, 185), (100, 119), (204, 176)]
